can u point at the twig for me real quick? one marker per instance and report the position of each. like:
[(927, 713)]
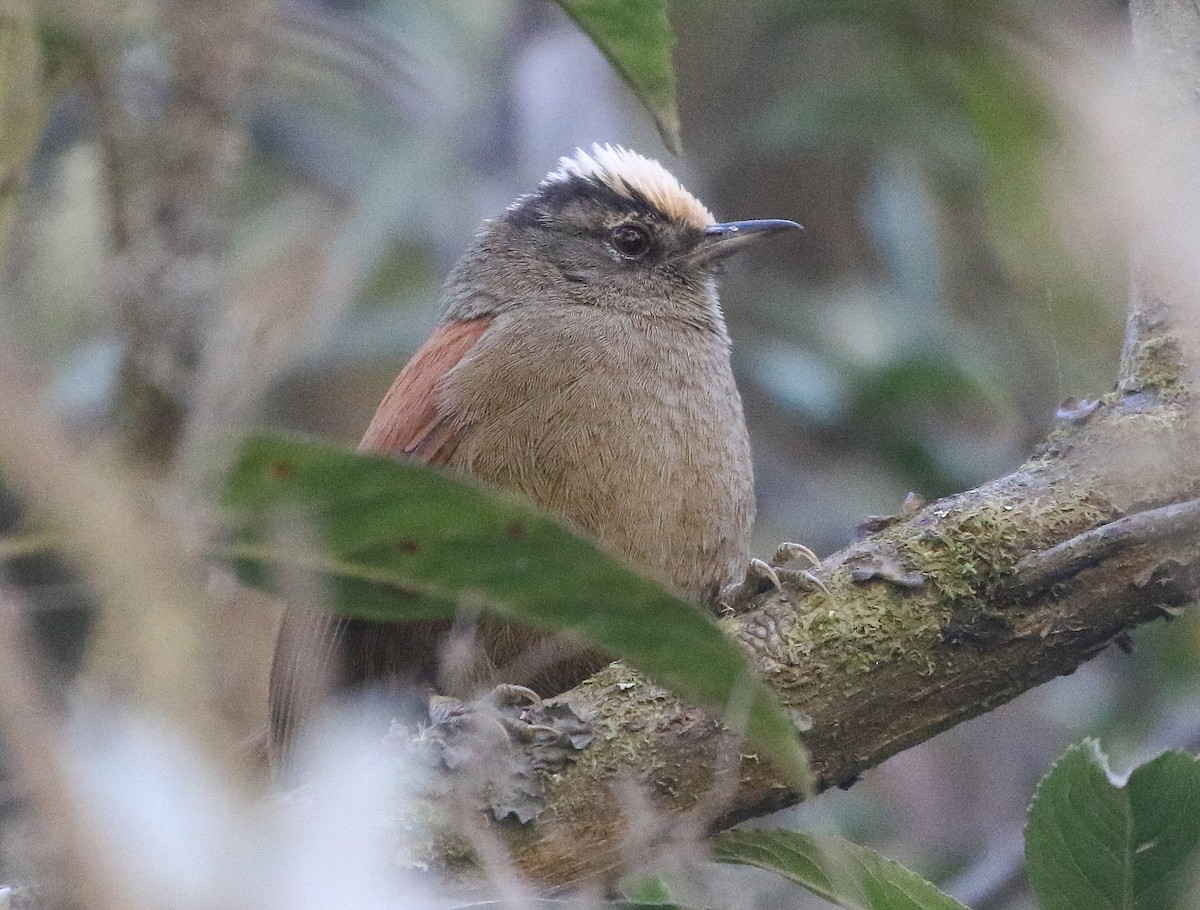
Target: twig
[(152, 651), (1039, 571), (21, 106), (35, 745)]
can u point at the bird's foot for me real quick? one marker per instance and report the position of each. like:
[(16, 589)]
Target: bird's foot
[(788, 552), (766, 576), (740, 596), (508, 712), (503, 741)]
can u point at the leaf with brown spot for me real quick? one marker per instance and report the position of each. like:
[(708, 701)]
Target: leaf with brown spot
[(482, 550)]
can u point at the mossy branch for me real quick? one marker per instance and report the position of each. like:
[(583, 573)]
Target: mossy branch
[(936, 619)]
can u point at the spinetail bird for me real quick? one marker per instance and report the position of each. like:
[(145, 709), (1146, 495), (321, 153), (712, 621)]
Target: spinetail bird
[(582, 359)]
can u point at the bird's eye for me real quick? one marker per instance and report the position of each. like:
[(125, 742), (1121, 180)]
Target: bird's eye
[(630, 240)]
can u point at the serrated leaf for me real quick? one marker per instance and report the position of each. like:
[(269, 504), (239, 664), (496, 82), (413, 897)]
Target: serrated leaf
[(846, 874), (636, 37), (1094, 843), (391, 539)]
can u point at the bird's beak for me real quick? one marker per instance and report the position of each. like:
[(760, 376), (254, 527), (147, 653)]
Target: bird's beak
[(721, 240)]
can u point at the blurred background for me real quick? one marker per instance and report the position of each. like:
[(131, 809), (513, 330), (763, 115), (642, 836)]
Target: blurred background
[(961, 273)]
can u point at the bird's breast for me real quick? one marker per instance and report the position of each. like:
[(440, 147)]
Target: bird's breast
[(631, 429)]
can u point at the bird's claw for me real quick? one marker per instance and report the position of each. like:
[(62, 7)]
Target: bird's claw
[(739, 596), (763, 634), (762, 576), (505, 711), (787, 552), (510, 695)]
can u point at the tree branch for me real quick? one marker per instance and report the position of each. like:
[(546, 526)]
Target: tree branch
[(1024, 579), (172, 155), (1155, 527)]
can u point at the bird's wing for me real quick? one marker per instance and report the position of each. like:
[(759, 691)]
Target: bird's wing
[(311, 656), (409, 420)]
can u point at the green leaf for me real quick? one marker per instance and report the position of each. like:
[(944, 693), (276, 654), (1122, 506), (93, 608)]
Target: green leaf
[(1094, 843), (636, 37), (391, 539), (645, 889), (839, 871)]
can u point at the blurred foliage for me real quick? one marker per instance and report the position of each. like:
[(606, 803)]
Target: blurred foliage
[(911, 138), (21, 101), (923, 130), (841, 872), (1093, 842)]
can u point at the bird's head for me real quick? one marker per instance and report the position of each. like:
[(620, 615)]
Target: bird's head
[(607, 228)]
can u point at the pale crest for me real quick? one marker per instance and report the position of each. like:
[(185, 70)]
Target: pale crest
[(628, 173)]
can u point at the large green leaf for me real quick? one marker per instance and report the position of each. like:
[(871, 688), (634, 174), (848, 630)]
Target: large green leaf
[(839, 871), (1095, 843), (391, 539), (636, 37)]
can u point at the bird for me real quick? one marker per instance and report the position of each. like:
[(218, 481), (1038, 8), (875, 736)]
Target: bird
[(581, 359)]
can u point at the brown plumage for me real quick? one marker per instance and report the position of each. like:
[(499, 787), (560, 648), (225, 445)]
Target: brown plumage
[(583, 360)]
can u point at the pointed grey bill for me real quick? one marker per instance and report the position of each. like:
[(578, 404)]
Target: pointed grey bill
[(721, 240)]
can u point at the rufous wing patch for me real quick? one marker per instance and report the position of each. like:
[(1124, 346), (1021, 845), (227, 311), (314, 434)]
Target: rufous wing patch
[(409, 420)]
